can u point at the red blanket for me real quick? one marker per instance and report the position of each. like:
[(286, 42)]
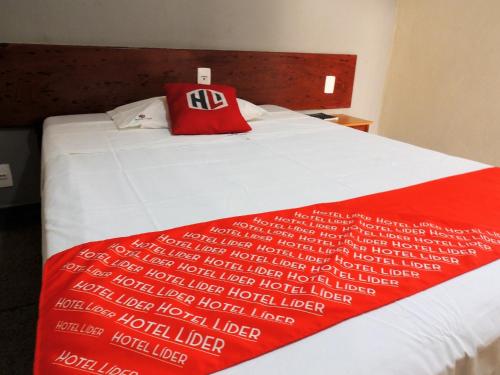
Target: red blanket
[(200, 298)]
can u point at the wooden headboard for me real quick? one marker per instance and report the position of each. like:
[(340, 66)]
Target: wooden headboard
[(38, 81)]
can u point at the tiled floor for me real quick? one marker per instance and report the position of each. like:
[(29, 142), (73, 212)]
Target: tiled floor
[(20, 272)]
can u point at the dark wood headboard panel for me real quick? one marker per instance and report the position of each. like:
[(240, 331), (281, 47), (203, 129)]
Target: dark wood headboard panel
[(38, 81)]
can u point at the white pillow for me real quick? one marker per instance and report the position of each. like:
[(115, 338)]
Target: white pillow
[(129, 106), (152, 113), (147, 114), (250, 111)]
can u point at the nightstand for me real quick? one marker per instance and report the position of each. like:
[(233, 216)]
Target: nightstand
[(352, 122)]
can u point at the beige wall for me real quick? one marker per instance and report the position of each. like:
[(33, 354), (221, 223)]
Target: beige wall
[(443, 87), (362, 27)]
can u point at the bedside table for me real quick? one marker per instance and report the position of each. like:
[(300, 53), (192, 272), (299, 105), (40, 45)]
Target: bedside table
[(352, 122)]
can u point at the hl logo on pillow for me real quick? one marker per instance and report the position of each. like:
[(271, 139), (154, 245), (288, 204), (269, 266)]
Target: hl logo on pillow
[(206, 99), (204, 109)]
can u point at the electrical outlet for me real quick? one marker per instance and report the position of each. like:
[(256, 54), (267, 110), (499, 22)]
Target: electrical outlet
[(5, 176), (204, 76)]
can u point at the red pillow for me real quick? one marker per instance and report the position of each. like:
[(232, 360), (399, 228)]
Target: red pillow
[(204, 109)]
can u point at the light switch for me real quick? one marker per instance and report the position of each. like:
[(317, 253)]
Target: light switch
[(329, 84), (204, 76), (5, 176)]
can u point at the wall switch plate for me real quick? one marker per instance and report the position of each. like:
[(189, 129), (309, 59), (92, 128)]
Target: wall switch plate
[(329, 84), (204, 76), (5, 176)]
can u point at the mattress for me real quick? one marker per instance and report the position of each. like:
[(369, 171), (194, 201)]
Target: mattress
[(99, 182)]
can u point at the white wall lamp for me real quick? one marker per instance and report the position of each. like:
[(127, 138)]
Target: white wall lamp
[(329, 84)]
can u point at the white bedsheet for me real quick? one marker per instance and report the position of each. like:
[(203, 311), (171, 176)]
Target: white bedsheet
[(99, 183)]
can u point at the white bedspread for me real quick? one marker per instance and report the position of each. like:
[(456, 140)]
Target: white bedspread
[(99, 183)]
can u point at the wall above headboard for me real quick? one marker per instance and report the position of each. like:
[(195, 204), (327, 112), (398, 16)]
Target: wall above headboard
[(38, 81)]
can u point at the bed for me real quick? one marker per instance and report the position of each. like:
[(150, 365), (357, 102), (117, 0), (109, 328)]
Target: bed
[(99, 182)]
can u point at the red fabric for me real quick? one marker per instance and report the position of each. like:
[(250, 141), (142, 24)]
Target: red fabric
[(204, 109), (200, 298)]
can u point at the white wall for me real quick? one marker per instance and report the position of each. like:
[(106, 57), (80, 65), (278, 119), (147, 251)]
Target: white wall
[(443, 89), (362, 27)]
